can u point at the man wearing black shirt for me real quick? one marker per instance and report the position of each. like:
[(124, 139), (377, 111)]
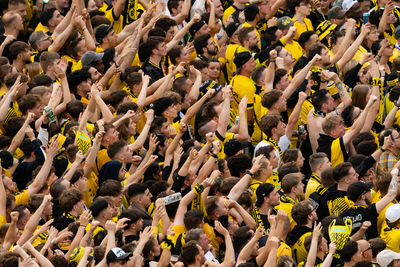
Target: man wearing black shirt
[(152, 65), (13, 26), (360, 193)]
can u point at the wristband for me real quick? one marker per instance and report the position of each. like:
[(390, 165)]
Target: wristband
[(214, 155), (81, 225), (383, 150), (250, 173), (376, 82), (167, 243), (396, 104), (198, 188)]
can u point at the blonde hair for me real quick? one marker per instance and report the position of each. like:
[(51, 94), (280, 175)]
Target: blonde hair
[(330, 123), (33, 69)]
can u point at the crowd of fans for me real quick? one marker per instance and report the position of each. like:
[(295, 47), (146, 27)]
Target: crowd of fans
[(200, 132)]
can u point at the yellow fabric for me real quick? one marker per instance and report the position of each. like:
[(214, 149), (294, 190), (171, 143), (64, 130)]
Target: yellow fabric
[(96, 231), (214, 240), (41, 27), (287, 207), (228, 12), (178, 230), (228, 136), (307, 26), (22, 198), (102, 158), (392, 238), (92, 187), (274, 179), (242, 86), (295, 49), (298, 250), (311, 187), (259, 112), (118, 24), (283, 249), (2, 220), (336, 153), (360, 53)]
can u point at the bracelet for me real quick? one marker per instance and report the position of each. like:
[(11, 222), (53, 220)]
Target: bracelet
[(250, 173), (383, 150), (376, 82), (198, 188), (81, 225), (214, 155), (167, 243)]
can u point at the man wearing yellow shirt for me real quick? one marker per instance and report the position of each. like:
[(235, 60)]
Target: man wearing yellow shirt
[(106, 37), (391, 234), (283, 24), (242, 84), (318, 163), (252, 17), (302, 9)]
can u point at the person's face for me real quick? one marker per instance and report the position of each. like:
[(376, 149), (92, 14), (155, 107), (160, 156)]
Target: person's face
[(287, 57), (62, 3), (324, 245), (274, 198), (81, 184), (185, 56), (365, 6), (281, 128), (204, 242), (282, 103), (79, 207), (10, 185), (162, 49), (92, 6), (44, 43), (94, 74), (56, 19), (283, 83), (121, 174), (211, 47), (20, 9), (219, 9), (121, 263), (300, 160), (355, 12), (98, 3), (313, 214), (26, 56), (222, 209), (366, 250), (326, 164), (268, 170), (330, 103), (112, 38), (251, 64), (170, 34), (126, 154), (147, 198), (299, 189), (325, 4), (111, 135), (201, 256), (165, 130), (203, 30), (253, 41), (388, 51), (304, 9), (117, 200), (139, 224), (132, 127), (171, 112), (48, 210), (395, 139), (214, 69), (352, 176), (264, 8), (314, 39), (326, 60), (273, 159), (37, 110)]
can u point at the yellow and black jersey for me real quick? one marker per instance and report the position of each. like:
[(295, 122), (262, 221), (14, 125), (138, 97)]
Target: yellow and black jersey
[(337, 201), (296, 242), (317, 263), (262, 219), (286, 204), (242, 86), (312, 184), (391, 235), (334, 148)]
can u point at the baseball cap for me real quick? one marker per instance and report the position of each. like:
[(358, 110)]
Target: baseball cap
[(392, 79), (262, 191), (91, 57), (393, 213), (232, 147), (241, 59), (231, 28), (116, 254), (324, 29), (347, 4), (385, 257), (196, 27), (210, 84), (336, 13), (102, 32), (357, 189), (98, 206), (284, 23)]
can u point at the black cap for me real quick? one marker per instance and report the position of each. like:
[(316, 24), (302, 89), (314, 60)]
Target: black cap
[(98, 206), (210, 84), (117, 254), (196, 27), (262, 191), (241, 59), (357, 189), (231, 28), (232, 147), (102, 32)]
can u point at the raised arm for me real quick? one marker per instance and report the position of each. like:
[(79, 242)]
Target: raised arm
[(229, 259), (295, 115), (178, 37), (184, 12), (350, 24), (243, 134), (19, 137), (391, 194), (247, 250), (224, 116), (312, 253)]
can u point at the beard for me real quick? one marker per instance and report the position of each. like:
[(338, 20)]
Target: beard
[(254, 48), (212, 52)]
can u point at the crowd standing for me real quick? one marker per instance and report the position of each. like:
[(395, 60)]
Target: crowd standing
[(200, 132)]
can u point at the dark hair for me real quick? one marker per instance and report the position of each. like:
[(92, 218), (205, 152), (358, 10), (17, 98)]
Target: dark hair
[(319, 97), (132, 215), (377, 245), (366, 148), (193, 218), (240, 238), (16, 48), (125, 107), (165, 23), (349, 250), (239, 164), (250, 12), (189, 252), (304, 38), (365, 136), (110, 188), (157, 32), (341, 170), (76, 78), (286, 168), (200, 42), (270, 98), (74, 108), (115, 148), (300, 212)]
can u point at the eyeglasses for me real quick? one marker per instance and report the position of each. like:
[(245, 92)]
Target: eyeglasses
[(370, 247)]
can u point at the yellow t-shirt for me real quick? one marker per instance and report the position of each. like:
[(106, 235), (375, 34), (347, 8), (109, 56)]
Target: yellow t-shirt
[(307, 26), (312, 185), (22, 198), (392, 238), (242, 86), (295, 49)]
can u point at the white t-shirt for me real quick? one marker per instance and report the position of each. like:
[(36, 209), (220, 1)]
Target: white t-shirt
[(283, 144)]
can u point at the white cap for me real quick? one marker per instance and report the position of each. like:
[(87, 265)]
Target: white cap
[(347, 4), (385, 257), (393, 213)]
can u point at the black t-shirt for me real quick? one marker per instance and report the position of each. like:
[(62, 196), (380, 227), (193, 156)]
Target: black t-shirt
[(155, 72), (360, 214), (318, 198)]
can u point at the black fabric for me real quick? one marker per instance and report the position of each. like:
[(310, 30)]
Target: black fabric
[(155, 72), (360, 214)]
